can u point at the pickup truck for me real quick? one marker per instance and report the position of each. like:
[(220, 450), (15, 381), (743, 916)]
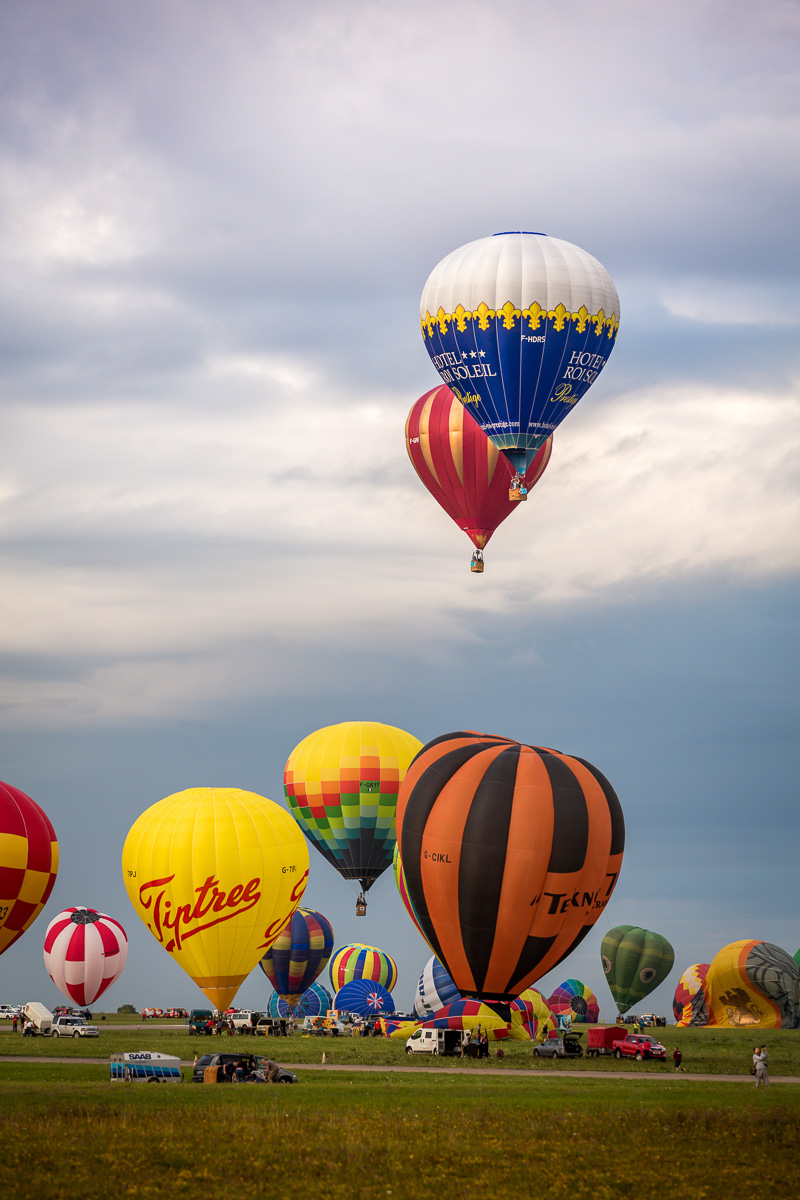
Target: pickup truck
[(639, 1046)]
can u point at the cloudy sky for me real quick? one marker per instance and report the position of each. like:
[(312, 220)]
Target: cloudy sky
[(217, 220)]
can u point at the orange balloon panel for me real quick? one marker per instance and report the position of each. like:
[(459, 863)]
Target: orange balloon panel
[(215, 874)]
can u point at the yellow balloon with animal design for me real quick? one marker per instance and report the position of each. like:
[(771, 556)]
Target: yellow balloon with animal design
[(753, 983), (215, 874)]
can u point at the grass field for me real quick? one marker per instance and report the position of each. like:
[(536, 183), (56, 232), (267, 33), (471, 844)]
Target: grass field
[(398, 1136), (706, 1051)]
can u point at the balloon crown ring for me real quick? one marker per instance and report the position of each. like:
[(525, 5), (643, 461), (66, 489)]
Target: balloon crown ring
[(85, 916)]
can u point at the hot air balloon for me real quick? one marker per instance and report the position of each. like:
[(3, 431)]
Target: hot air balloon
[(510, 855), (28, 863), (536, 1012), (470, 1014), (362, 962), (341, 786), (690, 1003), (215, 874), (753, 983), (635, 962), (314, 1002), (519, 325), (576, 1001), (400, 881), (299, 954), (435, 988), (463, 471), (364, 997), (84, 953)]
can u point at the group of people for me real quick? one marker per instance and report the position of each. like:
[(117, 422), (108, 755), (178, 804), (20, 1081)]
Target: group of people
[(234, 1072), (475, 1037)]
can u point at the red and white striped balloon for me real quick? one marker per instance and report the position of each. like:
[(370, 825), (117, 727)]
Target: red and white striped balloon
[(84, 952)]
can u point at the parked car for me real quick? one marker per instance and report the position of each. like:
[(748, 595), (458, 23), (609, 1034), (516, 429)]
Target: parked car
[(176, 1012), (244, 1020), (64, 1026), (568, 1046), (639, 1046), (9, 1011), (198, 1020), (249, 1061)]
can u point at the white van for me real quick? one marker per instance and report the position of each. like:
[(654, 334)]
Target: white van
[(434, 1041)]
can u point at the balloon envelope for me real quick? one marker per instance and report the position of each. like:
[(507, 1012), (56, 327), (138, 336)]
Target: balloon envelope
[(364, 997), (575, 1000), (464, 472), (435, 989), (753, 983), (299, 954), (341, 786), (469, 1014), (635, 962), (690, 1003), (519, 325), (357, 961), (84, 953), (400, 882), (215, 874), (314, 1002), (510, 854), (539, 1018), (28, 863)]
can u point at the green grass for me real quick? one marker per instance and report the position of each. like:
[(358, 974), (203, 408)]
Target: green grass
[(398, 1136), (705, 1051)]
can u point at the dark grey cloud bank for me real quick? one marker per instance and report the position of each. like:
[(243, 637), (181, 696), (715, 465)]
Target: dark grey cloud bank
[(217, 226)]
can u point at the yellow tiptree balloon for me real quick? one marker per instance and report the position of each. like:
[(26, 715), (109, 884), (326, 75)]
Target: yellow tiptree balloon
[(215, 874)]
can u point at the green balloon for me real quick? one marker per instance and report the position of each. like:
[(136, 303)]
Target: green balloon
[(635, 962)]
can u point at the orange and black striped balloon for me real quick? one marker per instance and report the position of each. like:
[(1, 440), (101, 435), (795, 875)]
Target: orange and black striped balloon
[(510, 854), (460, 467)]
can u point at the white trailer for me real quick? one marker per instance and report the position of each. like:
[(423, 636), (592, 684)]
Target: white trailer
[(146, 1066), (40, 1018)]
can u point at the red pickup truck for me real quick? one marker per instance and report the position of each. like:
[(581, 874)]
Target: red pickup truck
[(639, 1046)]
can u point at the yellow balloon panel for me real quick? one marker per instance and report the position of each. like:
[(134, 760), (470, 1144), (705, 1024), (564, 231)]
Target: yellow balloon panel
[(753, 983), (215, 874)]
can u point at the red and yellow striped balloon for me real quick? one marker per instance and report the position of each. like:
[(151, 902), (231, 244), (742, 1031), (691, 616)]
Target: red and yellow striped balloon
[(510, 854), (28, 863)]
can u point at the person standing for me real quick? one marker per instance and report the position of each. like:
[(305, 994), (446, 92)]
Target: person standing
[(677, 1059), (14, 1023), (760, 1063)]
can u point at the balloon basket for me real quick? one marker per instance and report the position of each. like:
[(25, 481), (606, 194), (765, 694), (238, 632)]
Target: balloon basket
[(361, 906), (518, 489), (477, 562)]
